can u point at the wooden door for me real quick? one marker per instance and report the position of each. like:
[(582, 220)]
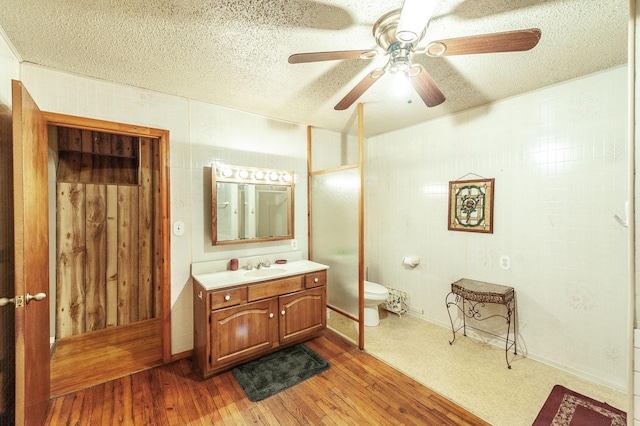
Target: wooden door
[(302, 314), (31, 236), (242, 331)]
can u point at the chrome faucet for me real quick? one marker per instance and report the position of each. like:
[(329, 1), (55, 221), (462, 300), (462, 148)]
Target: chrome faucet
[(264, 263)]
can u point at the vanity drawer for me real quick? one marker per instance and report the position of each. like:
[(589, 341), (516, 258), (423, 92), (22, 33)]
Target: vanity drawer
[(227, 297), (315, 279), (274, 288)]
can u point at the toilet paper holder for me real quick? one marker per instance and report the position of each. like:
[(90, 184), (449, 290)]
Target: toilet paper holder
[(410, 261)]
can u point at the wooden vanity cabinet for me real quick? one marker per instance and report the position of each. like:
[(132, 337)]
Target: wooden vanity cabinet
[(235, 325)]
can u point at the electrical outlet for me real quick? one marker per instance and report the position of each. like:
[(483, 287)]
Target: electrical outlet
[(416, 311), (294, 244), (505, 262)]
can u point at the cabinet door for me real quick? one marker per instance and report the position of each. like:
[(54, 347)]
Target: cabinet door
[(242, 331), (302, 314)]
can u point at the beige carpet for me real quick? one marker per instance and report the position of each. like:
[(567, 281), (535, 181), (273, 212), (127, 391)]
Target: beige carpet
[(471, 373)]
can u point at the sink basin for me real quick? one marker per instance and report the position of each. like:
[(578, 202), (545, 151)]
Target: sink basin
[(264, 272)]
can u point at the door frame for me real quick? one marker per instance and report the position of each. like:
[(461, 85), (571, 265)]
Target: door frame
[(63, 120)]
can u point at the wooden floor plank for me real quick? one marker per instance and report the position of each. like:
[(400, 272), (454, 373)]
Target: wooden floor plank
[(76, 407), (92, 358), (170, 394), (54, 414), (94, 413), (147, 399), (107, 410), (87, 404), (220, 408), (357, 389), (184, 406)]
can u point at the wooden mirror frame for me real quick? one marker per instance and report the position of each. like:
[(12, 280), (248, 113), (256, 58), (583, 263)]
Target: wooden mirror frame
[(232, 176)]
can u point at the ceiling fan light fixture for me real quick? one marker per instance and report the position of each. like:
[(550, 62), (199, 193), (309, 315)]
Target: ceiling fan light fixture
[(414, 18), (377, 73), (400, 66), (436, 49), (406, 36), (399, 61), (413, 71), (370, 54), (411, 21)]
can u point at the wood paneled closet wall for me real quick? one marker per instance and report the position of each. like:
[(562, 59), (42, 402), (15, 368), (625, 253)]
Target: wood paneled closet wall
[(108, 249)]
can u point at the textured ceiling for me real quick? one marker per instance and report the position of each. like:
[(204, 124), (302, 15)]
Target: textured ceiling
[(234, 53)]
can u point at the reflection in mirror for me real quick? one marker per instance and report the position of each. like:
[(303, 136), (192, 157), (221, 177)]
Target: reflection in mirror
[(251, 205)]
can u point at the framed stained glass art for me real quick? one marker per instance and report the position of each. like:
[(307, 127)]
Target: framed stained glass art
[(471, 205)]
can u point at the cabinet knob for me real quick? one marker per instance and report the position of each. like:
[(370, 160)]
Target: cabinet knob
[(282, 312), (227, 297), (316, 280), (271, 315)]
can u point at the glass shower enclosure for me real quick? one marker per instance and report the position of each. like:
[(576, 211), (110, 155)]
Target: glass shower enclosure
[(335, 191)]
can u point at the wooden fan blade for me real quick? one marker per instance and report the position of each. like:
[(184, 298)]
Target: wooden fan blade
[(510, 41), (299, 58), (425, 86), (359, 89)]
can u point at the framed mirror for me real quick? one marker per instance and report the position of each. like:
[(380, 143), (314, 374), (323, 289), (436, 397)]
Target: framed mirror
[(251, 205)]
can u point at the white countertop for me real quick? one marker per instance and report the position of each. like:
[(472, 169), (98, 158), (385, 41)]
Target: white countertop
[(222, 279)]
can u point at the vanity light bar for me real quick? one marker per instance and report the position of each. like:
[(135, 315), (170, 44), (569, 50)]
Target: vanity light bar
[(252, 174)]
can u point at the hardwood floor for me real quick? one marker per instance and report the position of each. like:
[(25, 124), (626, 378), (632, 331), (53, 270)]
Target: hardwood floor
[(88, 359), (358, 389)]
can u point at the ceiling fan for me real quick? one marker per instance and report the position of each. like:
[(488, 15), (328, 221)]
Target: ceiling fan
[(398, 33)]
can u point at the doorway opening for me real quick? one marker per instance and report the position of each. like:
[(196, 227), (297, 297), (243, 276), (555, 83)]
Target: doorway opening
[(109, 253)]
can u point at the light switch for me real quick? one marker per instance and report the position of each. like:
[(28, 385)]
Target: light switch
[(178, 228)]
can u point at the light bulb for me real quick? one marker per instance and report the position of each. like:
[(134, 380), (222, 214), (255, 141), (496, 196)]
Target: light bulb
[(401, 84)]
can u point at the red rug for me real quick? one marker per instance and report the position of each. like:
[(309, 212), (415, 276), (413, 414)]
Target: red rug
[(567, 408)]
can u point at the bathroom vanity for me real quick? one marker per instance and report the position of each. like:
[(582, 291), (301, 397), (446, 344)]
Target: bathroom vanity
[(245, 314)]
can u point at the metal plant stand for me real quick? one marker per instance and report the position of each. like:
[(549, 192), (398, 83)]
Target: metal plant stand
[(470, 295)]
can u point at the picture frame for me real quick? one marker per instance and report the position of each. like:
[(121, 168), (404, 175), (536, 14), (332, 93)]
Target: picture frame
[(471, 205)]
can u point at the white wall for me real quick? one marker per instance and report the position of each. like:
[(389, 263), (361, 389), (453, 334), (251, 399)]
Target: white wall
[(199, 134), (558, 156), (9, 69)]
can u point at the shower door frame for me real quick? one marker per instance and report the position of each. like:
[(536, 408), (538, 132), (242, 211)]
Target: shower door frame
[(359, 166)]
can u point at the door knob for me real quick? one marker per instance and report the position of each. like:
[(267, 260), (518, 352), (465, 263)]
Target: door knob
[(5, 301), (38, 297), (283, 312)]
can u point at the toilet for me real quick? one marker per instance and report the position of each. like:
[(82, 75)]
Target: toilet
[(374, 294)]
